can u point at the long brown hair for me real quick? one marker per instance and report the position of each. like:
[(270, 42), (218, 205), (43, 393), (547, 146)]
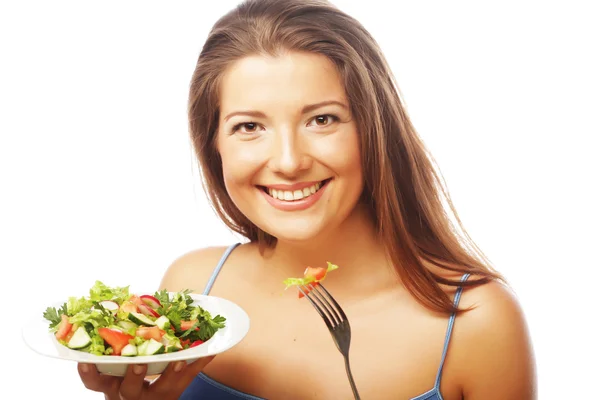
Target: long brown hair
[(403, 191)]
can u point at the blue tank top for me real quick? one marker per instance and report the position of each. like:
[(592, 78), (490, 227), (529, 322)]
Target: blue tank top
[(204, 387)]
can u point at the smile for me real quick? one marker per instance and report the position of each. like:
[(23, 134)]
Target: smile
[(294, 197)]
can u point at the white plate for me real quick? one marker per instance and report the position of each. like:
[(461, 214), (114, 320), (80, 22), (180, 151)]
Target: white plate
[(39, 339)]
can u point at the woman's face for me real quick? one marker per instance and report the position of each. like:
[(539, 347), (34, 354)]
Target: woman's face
[(289, 146)]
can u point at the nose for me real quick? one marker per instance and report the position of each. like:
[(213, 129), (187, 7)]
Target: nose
[(288, 154)]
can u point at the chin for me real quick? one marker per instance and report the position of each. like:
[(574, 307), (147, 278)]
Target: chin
[(295, 232)]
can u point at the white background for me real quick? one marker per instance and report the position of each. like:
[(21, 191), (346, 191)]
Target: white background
[(97, 176)]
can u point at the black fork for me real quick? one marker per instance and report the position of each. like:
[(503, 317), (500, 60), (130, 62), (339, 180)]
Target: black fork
[(336, 322)]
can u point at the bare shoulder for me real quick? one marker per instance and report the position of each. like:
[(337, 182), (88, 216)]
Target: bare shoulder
[(192, 270), (492, 338)]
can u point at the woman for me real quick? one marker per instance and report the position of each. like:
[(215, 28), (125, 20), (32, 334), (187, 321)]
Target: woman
[(307, 152)]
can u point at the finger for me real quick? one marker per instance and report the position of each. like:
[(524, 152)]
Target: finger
[(95, 381), (179, 375), (168, 378), (133, 383)]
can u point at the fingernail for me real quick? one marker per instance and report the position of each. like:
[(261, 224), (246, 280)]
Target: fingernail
[(84, 368), (138, 369), (178, 366)]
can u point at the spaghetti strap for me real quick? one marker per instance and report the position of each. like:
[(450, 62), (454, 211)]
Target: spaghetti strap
[(217, 269), (438, 378)]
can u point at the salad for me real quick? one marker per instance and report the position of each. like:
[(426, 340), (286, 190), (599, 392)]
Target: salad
[(312, 276), (111, 321)]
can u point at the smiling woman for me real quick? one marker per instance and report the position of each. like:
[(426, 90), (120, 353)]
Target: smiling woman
[(306, 151)]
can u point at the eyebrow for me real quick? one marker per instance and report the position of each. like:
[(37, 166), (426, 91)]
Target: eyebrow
[(305, 109)]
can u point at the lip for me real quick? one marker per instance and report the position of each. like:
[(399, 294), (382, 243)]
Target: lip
[(297, 205), (295, 186)]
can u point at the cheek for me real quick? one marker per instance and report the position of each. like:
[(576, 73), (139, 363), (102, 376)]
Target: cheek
[(236, 180), (342, 155), (348, 166), (240, 163), (234, 176), (353, 157)]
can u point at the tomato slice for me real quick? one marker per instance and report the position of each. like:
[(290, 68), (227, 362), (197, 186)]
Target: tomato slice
[(70, 334), (148, 333), (317, 273), (185, 325), (136, 300), (115, 338), (196, 343), (128, 307), (64, 327)]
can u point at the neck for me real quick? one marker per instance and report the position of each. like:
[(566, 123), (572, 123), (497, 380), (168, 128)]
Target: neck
[(353, 246)]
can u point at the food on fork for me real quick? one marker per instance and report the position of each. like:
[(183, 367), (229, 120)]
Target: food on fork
[(111, 321), (312, 276)]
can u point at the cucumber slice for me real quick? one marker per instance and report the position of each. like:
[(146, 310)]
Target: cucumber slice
[(140, 319), (171, 342), (80, 339), (163, 323), (154, 347), (141, 349), (117, 328), (171, 349), (129, 351), (127, 325)]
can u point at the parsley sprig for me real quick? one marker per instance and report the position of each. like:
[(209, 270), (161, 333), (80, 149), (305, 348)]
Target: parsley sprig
[(180, 308), (54, 316)]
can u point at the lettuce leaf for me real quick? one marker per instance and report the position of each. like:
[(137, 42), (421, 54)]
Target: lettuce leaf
[(76, 305), (100, 292), (97, 318), (97, 347)]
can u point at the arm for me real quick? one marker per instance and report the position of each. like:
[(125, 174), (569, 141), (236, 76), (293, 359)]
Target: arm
[(496, 347), (191, 268)]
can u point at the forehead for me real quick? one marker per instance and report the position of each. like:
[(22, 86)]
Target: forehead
[(290, 80)]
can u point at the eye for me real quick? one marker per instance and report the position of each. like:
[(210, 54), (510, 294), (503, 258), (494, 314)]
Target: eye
[(324, 120), (246, 127)]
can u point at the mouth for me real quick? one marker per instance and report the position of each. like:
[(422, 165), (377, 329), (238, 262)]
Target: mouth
[(296, 194)]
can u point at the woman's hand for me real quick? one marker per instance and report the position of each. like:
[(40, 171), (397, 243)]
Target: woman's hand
[(170, 385)]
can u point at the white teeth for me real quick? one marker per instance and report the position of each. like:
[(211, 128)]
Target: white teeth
[(289, 195)]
